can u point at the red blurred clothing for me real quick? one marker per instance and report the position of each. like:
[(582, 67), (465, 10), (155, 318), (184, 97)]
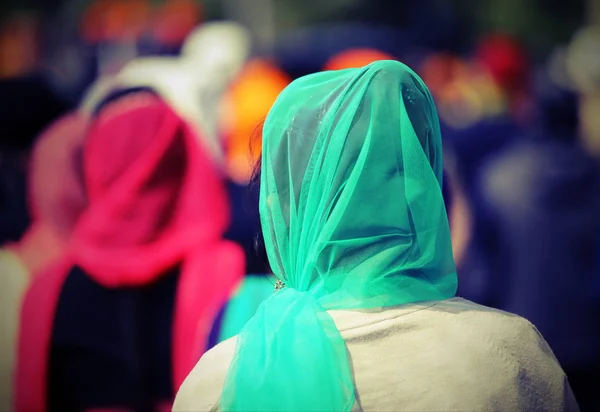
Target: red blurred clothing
[(508, 64), (55, 202), (56, 197), (506, 61), (154, 201)]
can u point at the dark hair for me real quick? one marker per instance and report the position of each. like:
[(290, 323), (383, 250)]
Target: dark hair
[(447, 192), (256, 157), (254, 187)]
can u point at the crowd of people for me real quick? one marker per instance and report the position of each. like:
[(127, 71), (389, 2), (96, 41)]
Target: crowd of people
[(346, 235)]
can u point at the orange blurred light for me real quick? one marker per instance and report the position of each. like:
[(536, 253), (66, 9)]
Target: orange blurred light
[(18, 46), (355, 58), (439, 70), (246, 105), (115, 20)]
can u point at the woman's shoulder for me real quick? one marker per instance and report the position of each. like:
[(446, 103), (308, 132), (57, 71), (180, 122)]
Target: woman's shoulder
[(473, 313), (471, 357), (511, 355), (508, 334), (202, 388)]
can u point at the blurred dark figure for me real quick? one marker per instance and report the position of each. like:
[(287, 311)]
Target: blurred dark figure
[(533, 194), (471, 149), (543, 195), (481, 102), (27, 106), (504, 63)]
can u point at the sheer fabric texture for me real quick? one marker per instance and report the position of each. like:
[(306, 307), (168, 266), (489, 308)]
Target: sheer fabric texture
[(353, 217)]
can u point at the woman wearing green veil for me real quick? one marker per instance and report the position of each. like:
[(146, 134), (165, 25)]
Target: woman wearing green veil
[(364, 315)]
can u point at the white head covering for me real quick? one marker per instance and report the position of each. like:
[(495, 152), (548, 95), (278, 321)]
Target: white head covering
[(193, 84), (583, 60)]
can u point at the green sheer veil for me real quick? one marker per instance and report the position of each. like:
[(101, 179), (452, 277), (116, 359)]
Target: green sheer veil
[(353, 217)]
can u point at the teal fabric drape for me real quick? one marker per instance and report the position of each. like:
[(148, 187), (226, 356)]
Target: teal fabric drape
[(353, 217), (243, 305)]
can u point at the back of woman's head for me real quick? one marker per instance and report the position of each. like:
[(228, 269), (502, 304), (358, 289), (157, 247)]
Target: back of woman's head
[(122, 139), (353, 217), (153, 191), (352, 169)]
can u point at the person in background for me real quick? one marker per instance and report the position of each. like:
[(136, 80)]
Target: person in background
[(476, 98), (121, 318), (485, 100), (55, 201), (364, 315), (543, 193), (195, 84), (544, 197), (216, 92), (209, 85), (583, 69)]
